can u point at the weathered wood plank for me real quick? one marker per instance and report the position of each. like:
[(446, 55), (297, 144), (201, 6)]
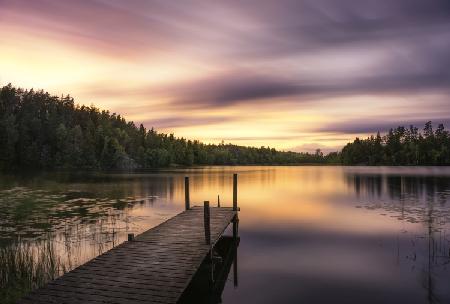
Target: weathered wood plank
[(156, 267)]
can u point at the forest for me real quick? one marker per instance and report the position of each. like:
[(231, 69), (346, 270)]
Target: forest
[(41, 131), (401, 147)]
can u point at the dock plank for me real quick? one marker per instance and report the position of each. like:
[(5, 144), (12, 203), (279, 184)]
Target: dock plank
[(156, 267)]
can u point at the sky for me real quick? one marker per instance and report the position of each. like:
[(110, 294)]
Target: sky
[(294, 75)]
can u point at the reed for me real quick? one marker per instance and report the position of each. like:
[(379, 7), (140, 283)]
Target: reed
[(24, 267)]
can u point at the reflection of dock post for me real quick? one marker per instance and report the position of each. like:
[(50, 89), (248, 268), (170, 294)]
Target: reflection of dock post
[(235, 246), (207, 223), (186, 193)]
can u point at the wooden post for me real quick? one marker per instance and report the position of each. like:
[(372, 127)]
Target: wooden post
[(207, 220), (235, 208), (218, 201), (187, 201), (130, 237), (235, 231)]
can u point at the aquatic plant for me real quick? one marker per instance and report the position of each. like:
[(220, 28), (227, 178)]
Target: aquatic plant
[(24, 267)]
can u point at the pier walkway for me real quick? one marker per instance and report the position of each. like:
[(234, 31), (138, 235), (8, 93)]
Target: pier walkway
[(153, 267)]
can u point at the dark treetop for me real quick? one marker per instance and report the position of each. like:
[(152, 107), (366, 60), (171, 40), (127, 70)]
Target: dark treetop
[(41, 131), (401, 146)]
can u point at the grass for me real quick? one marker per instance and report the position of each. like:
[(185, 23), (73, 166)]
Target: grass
[(24, 268)]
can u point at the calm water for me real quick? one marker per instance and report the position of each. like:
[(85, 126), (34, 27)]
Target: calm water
[(308, 234)]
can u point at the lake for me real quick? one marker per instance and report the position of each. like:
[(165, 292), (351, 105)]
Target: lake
[(309, 234)]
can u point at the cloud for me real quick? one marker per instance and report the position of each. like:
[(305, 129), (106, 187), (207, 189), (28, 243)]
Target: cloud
[(312, 148), (372, 126), (255, 138), (326, 22), (395, 76), (231, 88), (287, 55), (179, 121), (250, 29)]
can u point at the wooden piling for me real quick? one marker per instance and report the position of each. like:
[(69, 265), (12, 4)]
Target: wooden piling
[(186, 193), (207, 221), (138, 272), (235, 208), (218, 201), (235, 231), (130, 237)]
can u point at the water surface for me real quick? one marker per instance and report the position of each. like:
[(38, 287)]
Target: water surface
[(308, 234)]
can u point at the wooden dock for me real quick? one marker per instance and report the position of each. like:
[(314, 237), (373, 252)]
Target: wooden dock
[(157, 266)]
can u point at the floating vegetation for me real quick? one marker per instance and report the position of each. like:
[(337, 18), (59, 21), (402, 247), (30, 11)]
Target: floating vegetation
[(28, 213), (24, 267), (411, 213), (48, 227)]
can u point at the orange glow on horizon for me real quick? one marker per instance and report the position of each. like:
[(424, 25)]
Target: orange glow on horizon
[(211, 76)]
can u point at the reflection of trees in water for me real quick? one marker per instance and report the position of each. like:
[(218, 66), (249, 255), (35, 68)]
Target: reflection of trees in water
[(409, 197), (30, 211), (80, 220), (87, 214), (398, 188), (413, 199), (82, 217)]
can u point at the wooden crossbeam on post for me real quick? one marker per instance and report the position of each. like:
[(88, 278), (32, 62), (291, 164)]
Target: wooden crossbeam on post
[(187, 201), (147, 247), (207, 221)]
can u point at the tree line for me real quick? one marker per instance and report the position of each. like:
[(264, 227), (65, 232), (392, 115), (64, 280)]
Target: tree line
[(401, 146), (41, 131)]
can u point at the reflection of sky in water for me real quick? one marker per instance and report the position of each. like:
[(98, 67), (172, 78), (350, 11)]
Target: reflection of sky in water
[(308, 234)]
